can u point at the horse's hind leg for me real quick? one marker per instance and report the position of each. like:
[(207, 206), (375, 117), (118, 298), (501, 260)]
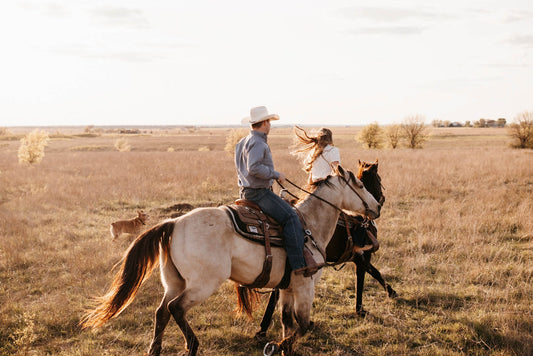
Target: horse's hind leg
[(178, 311), (174, 286), (190, 297), (162, 316)]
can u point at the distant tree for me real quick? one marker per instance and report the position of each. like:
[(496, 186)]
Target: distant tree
[(437, 123), (521, 129), (468, 124), (393, 134), (233, 137), (32, 146), (371, 136), (414, 131), (502, 122)]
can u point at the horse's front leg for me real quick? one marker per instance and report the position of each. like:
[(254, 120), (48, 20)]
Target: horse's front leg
[(361, 265), (287, 312), (373, 271), (300, 308), (267, 317)]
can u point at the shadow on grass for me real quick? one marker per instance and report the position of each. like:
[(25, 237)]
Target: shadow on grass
[(485, 336), (430, 301), (490, 339)]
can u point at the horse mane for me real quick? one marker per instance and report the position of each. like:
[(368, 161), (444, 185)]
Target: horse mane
[(326, 181)]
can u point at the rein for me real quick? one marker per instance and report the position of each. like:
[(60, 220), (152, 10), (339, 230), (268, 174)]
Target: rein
[(347, 181)]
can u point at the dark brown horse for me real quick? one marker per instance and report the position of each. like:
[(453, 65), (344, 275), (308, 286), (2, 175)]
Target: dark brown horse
[(339, 244)]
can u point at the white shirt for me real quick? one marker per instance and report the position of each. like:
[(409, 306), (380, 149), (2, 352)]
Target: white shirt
[(322, 164)]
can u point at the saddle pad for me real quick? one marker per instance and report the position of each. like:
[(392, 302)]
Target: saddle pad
[(247, 223)]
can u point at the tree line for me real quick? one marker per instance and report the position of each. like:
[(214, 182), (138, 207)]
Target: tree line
[(413, 131)]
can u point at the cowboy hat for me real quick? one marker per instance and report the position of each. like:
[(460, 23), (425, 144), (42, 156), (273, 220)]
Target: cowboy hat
[(258, 114)]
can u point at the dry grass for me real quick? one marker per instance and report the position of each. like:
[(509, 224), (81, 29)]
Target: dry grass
[(456, 235)]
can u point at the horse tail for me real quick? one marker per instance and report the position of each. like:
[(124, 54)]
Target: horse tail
[(137, 265), (247, 299)]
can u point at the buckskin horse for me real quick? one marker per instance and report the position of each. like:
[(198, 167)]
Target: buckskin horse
[(198, 251), (341, 250)]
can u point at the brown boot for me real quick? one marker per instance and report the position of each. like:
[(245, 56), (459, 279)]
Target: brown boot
[(311, 267)]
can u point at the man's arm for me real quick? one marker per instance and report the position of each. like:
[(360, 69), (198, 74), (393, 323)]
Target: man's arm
[(256, 167)]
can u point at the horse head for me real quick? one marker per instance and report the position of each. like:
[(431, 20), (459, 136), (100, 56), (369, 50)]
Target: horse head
[(368, 174), (350, 185)]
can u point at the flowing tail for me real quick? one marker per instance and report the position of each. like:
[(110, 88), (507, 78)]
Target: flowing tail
[(137, 265)]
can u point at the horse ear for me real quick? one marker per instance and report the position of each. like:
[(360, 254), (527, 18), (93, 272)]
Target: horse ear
[(340, 171)]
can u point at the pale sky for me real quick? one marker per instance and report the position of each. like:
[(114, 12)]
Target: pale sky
[(207, 62)]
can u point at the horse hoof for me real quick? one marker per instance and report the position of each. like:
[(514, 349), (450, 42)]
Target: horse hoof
[(392, 293), (270, 349), (361, 313), (260, 336)]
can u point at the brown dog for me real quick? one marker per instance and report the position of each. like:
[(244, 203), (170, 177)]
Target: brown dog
[(132, 226)]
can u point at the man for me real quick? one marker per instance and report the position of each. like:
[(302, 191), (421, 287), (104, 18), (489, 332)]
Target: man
[(255, 170)]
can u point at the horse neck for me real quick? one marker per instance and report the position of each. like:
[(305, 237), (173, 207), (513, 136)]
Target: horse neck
[(372, 184), (320, 217)]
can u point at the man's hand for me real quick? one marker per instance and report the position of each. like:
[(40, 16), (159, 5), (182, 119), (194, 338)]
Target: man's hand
[(281, 178)]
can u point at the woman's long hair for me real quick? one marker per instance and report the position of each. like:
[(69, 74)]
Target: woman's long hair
[(310, 147)]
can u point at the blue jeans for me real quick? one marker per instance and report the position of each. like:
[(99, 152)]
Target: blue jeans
[(277, 208)]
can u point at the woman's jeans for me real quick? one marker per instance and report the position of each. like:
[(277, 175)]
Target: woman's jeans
[(277, 208)]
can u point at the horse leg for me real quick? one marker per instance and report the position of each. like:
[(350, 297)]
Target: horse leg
[(361, 265), (162, 316), (178, 308), (298, 306), (287, 312), (269, 312), (190, 297), (373, 271)]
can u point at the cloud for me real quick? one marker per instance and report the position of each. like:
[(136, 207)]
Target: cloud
[(144, 51), (517, 16), (388, 14), (51, 9), (389, 30), (520, 40), (120, 16), (96, 53)]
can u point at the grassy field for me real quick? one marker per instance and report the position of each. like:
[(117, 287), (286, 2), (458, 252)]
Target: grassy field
[(456, 237)]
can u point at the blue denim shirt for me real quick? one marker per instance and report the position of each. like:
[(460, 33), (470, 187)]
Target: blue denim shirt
[(253, 159)]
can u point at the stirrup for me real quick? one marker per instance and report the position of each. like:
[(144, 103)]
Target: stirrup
[(307, 271)]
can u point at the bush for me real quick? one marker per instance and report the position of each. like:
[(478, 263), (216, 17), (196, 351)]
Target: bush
[(233, 137), (414, 131), (521, 129), (371, 136), (393, 134), (32, 146), (122, 145)]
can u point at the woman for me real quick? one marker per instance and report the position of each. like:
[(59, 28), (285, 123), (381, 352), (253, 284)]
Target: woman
[(319, 155)]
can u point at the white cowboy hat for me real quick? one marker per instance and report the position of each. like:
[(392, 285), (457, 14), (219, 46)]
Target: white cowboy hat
[(258, 114)]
